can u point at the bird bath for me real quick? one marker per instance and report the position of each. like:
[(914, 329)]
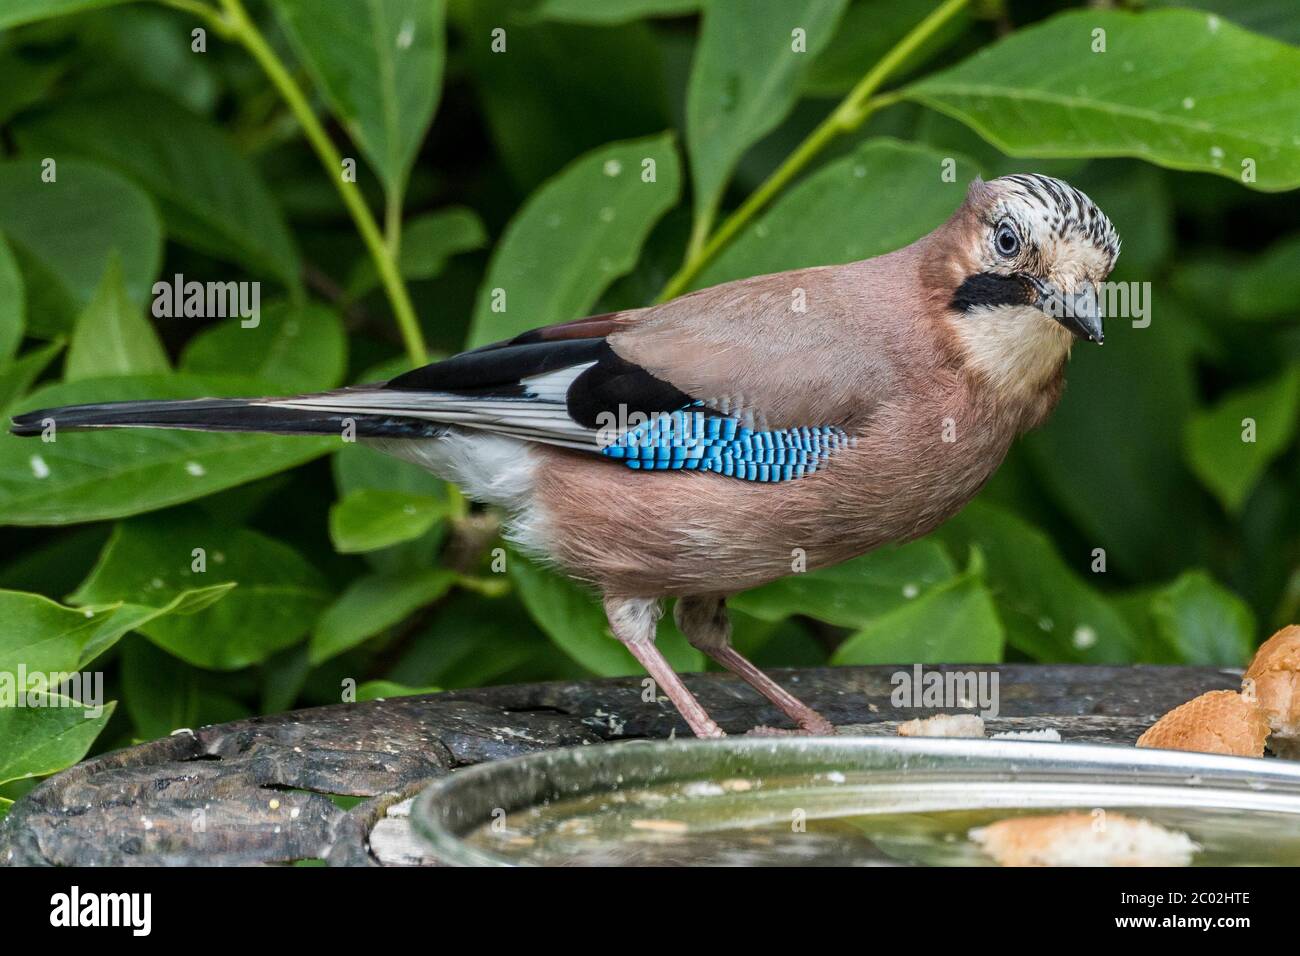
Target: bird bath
[(333, 783), (840, 801)]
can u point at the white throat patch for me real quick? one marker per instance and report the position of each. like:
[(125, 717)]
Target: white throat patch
[(1016, 348)]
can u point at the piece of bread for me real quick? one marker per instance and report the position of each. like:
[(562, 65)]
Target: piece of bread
[(944, 725), (1273, 681), (1050, 734), (1084, 839), (1218, 722)]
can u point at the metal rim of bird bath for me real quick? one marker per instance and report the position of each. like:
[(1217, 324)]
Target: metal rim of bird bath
[(902, 774)]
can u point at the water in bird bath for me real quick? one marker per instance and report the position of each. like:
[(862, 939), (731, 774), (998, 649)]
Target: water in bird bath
[(786, 822)]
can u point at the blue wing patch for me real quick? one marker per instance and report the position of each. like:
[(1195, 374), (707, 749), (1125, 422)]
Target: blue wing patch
[(695, 441)]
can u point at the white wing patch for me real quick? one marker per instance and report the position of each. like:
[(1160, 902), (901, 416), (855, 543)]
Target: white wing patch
[(554, 386)]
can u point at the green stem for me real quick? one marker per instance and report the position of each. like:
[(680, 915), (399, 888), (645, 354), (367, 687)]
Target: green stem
[(852, 112), (201, 10), (237, 25), (700, 231), (393, 225), (488, 587)]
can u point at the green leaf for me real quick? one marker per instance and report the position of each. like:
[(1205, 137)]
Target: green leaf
[(148, 46), (44, 636), (462, 646), (211, 197), (1136, 201), (868, 30), (13, 303), (1135, 498), (427, 243), (367, 520), (787, 643), (161, 692), (744, 80), (57, 562), (66, 231), (613, 11), (1268, 286), (587, 68), (1204, 622), (575, 622), (1217, 446), (856, 592), (379, 64), (372, 603), (29, 78), (295, 348), (574, 236), (88, 476), (18, 374), (1225, 96), (112, 336), (954, 622), (383, 689), (153, 559), (946, 135), (1276, 18), (36, 741), (1051, 614), (820, 220), (358, 468), (16, 12)]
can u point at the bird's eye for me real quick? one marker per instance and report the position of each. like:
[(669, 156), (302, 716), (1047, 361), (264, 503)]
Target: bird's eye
[(1006, 241)]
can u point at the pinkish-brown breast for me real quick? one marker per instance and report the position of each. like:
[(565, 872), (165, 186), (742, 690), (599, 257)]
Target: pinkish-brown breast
[(650, 534)]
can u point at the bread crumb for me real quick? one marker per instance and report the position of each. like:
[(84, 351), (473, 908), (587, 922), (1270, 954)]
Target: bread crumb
[(944, 725), (1217, 722), (1047, 733), (1273, 682), (661, 826), (1083, 839)]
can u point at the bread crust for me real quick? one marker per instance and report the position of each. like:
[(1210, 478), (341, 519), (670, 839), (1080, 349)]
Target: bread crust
[(1273, 681), (1217, 722), (944, 725), (1083, 839)]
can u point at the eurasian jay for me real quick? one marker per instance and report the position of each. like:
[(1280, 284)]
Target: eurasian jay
[(693, 449)]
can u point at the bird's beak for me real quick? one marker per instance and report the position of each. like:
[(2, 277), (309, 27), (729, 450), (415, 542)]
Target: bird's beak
[(1079, 311)]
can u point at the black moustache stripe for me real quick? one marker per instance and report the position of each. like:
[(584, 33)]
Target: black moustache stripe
[(991, 289)]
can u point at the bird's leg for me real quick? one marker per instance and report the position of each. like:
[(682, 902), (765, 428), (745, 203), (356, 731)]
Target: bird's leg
[(705, 623), (633, 621)]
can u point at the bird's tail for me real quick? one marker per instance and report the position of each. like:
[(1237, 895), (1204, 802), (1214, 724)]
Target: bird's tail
[(221, 415)]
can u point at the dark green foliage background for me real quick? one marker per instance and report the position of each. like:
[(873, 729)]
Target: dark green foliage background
[(350, 569)]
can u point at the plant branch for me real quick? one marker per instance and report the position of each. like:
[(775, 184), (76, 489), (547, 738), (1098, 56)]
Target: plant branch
[(198, 8), (237, 25), (393, 225), (853, 111)]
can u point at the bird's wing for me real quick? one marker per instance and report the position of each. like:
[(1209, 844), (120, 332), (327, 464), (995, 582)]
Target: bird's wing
[(748, 392), (815, 346)]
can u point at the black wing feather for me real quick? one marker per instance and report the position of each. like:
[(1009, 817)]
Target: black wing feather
[(621, 388), (611, 385), (506, 366)]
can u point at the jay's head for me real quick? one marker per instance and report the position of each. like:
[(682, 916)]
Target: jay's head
[(1024, 259)]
